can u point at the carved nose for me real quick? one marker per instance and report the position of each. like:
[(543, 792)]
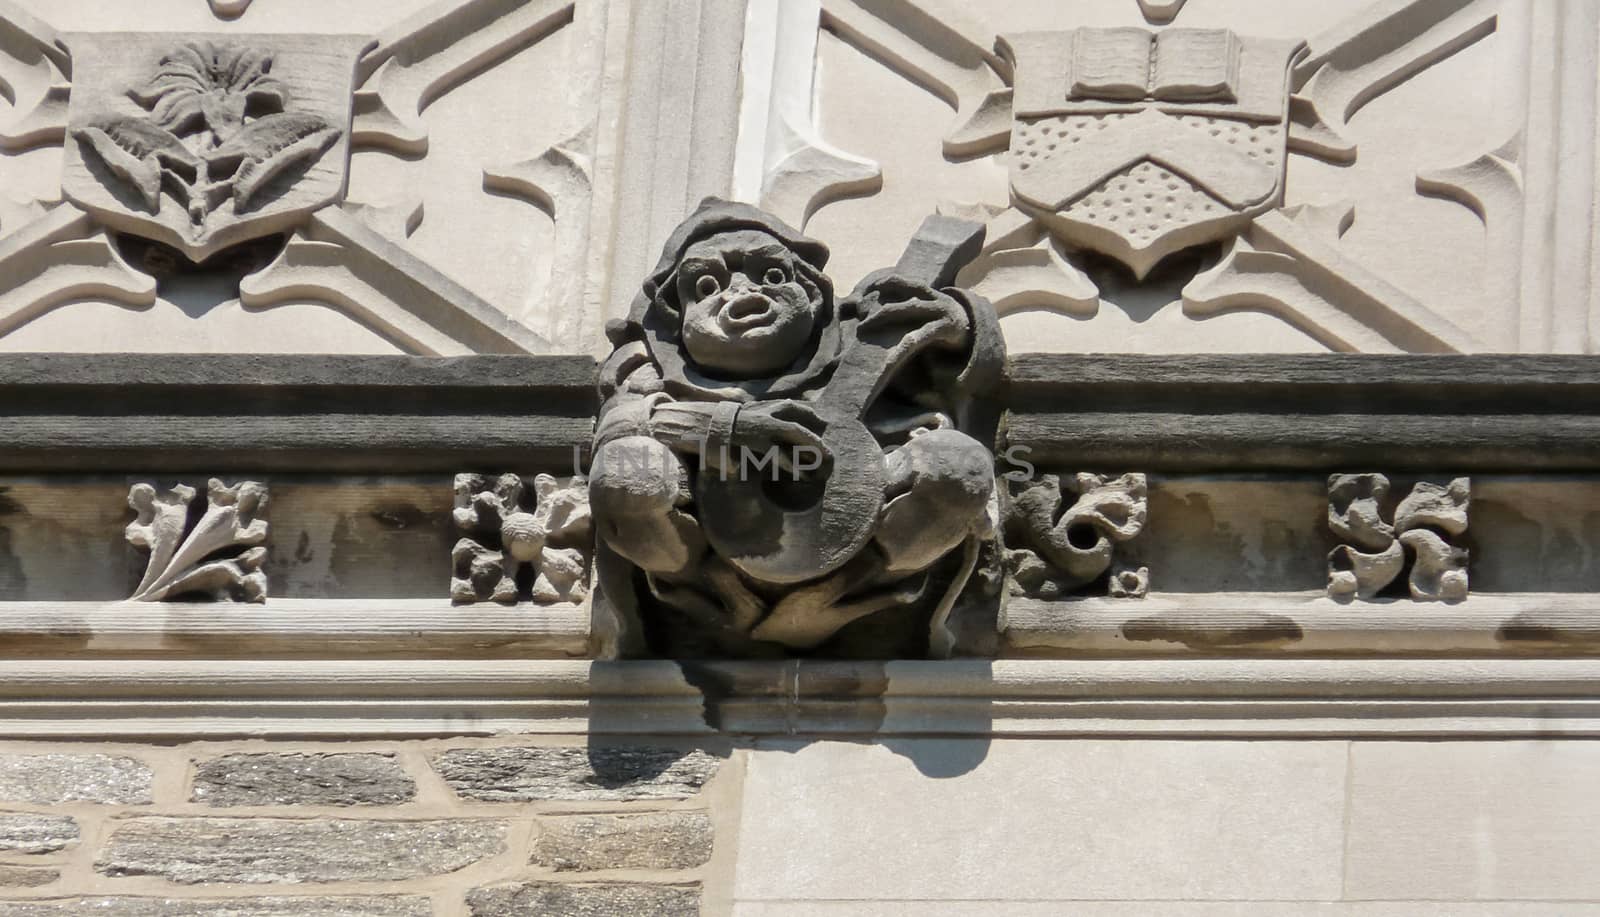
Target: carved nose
[(747, 306)]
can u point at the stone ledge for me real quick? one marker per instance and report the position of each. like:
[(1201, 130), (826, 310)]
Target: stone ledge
[(359, 627), (1284, 624), (1375, 697)]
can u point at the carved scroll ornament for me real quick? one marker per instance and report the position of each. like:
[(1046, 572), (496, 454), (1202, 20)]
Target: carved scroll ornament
[(1422, 537), (1063, 535), (780, 470)]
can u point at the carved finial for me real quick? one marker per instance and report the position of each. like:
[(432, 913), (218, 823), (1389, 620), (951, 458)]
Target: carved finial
[(1063, 535), (219, 555), (521, 545), (1374, 553)]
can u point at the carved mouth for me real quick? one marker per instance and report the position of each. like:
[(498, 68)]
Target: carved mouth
[(748, 312)]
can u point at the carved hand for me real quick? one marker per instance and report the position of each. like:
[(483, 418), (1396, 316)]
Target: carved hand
[(786, 425)]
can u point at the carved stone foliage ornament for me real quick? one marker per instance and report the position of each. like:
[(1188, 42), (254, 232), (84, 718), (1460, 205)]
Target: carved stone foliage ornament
[(781, 470), (1140, 143), (1062, 535), (522, 544), (204, 141), (200, 551), (1416, 540)]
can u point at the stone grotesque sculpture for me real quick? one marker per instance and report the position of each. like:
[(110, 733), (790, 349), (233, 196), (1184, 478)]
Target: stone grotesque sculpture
[(780, 471)]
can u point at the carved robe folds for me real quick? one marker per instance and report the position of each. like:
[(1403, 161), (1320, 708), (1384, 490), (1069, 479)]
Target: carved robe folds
[(777, 471)]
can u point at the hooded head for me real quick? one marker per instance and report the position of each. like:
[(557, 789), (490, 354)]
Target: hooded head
[(738, 307)]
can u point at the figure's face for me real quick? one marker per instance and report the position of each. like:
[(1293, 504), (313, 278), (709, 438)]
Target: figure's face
[(745, 312)]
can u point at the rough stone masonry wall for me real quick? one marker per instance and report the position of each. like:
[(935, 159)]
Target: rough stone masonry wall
[(486, 828)]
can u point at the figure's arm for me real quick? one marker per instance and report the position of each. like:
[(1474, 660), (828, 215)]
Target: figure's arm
[(637, 405)]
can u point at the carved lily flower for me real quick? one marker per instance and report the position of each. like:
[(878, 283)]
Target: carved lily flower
[(202, 87), (216, 129)]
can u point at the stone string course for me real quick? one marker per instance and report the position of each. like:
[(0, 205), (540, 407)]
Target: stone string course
[(470, 827)]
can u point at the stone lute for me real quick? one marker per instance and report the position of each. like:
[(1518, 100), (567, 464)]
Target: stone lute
[(757, 522)]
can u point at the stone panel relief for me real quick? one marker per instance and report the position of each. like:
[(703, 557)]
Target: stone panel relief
[(521, 543), (215, 553), (778, 469), (1063, 534), (1416, 542), (210, 178), (1171, 176)]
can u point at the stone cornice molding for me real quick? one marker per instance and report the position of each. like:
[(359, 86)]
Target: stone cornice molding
[(1323, 412), (209, 414), (1260, 698)]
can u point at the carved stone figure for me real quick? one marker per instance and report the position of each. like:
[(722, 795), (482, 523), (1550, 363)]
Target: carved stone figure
[(1062, 535), (521, 545), (782, 471), (217, 556), (204, 141), (1375, 552)]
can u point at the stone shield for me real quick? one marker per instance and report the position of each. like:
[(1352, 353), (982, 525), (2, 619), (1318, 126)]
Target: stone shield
[(204, 141), (1138, 143)]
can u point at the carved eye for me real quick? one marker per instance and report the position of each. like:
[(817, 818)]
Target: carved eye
[(707, 285), (775, 276)]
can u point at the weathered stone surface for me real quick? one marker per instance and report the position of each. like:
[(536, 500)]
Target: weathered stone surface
[(659, 840), (616, 773), (550, 900), (27, 876), (740, 323), (51, 779), (298, 779), (253, 850), (234, 907), (26, 832)]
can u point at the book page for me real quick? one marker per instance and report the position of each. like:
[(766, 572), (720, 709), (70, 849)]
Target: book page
[(1196, 65), (1111, 64)]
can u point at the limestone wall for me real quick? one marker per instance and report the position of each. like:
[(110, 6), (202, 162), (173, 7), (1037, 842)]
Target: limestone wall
[(488, 828)]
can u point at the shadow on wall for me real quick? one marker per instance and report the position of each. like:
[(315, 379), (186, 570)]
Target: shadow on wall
[(802, 701)]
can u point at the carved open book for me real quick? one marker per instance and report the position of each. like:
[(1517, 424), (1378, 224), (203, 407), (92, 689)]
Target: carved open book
[(1177, 65)]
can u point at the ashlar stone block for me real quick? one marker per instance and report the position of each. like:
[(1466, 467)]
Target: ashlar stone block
[(195, 851), (302, 780), (26, 832), (52, 779), (552, 900), (615, 773), (658, 840)]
